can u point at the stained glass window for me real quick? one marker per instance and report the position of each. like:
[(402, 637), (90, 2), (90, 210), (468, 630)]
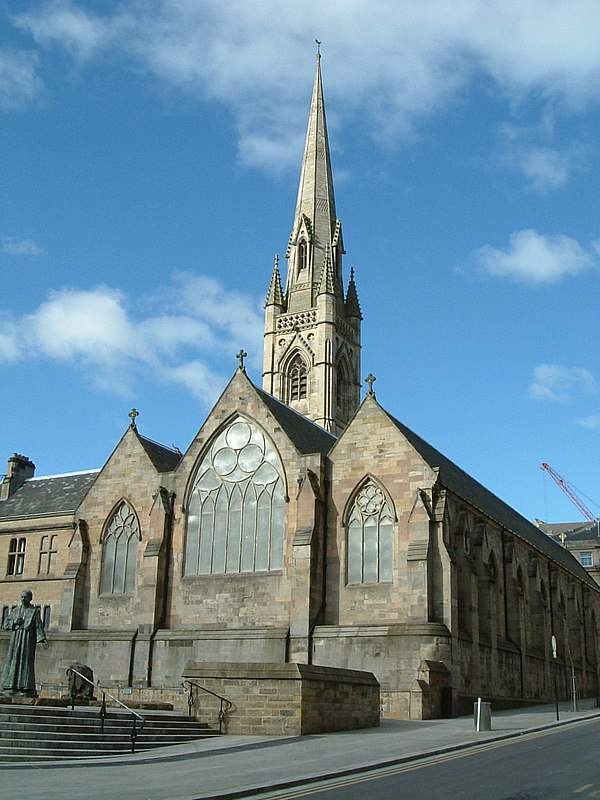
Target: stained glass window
[(236, 510), (119, 551), (370, 528)]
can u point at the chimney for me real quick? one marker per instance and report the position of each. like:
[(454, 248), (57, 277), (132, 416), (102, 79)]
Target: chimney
[(19, 469)]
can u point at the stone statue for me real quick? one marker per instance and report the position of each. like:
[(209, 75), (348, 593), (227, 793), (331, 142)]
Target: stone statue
[(18, 673)]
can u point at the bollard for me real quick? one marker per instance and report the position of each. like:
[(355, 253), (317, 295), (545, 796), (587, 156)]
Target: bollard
[(482, 715)]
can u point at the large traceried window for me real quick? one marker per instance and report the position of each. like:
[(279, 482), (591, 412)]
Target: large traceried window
[(119, 551), (370, 535), (236, 510)]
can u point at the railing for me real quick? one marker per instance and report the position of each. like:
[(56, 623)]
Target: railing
[(103, 712), (225, 704)]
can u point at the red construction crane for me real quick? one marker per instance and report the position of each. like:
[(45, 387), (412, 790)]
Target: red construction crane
[(569, 491)]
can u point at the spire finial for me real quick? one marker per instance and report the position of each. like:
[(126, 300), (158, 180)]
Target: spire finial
[(318, 48), (370, 379), (132, 416), (240, 357)]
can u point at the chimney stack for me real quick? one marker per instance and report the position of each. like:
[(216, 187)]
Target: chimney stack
[(19, 469)]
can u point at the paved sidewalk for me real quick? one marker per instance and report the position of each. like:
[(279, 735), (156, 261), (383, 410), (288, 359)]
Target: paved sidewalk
[(235, 766)]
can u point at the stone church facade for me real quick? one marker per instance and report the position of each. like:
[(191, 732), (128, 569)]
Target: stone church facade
[(301, 526)]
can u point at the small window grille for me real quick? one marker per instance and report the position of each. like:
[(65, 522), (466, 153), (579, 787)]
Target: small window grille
[(586, 559)]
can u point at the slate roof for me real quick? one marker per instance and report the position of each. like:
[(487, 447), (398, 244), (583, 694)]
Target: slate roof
[(55, 494), (306, 435), (463, 485), (585, 534), (163, 458)]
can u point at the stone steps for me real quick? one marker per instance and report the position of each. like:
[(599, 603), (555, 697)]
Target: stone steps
[(39, 733)]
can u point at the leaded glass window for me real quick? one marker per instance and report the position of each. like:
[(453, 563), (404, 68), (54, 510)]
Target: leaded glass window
[(370, 528), (119, 551), (236, 510)]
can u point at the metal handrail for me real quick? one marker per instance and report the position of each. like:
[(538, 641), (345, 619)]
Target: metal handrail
[(225, 704), (103, 712)]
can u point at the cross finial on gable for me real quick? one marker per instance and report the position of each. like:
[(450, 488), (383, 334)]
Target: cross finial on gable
[(240, 357), (370, 379), (132, 416)]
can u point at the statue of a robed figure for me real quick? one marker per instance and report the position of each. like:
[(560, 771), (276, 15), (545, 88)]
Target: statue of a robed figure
[(18, 672)]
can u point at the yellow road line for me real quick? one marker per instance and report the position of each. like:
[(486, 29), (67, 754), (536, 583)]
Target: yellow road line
[(425, 761)]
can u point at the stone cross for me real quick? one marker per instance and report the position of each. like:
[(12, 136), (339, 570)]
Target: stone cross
[(240, 357), (132, 416), (370, 379)]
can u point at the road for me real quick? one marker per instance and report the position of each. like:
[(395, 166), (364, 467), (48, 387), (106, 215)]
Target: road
[(560, 763)]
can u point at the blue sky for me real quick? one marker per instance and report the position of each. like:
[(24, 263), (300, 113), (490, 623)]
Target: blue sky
[(149, 166)]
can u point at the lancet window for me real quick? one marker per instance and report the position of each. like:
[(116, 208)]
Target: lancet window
[(370, 533), (298, 379), (119, 551), (343, 386), (236, 510), (302, 255)]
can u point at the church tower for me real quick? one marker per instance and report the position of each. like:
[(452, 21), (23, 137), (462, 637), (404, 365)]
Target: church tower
[(312, 331)]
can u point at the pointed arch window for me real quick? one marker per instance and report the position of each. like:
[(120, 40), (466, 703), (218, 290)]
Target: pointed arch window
[(236, 511), (302, 255), (119, 551), (298, 379), (343, 386), (370, 525)]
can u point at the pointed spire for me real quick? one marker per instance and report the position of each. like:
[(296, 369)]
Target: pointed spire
[(275, 292), (352, 304), (316, 200)]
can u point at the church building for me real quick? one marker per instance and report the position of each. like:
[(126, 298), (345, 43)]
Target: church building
[(301, 526)]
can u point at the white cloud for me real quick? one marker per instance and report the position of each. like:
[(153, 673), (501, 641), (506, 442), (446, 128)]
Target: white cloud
[(388, 63), (530, 150), (197, 378), (76, 29), (560, 384), (592, 422), (101, 333), (535, 258), (25, 247), (19, 82), (545, 168)]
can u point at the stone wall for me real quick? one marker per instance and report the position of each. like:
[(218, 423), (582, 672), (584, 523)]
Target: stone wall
[(287, 699)]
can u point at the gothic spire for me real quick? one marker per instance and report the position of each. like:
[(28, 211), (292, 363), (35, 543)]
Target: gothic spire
[(316, 227)]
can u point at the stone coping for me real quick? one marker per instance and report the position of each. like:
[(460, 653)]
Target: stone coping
[(276, 671)]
